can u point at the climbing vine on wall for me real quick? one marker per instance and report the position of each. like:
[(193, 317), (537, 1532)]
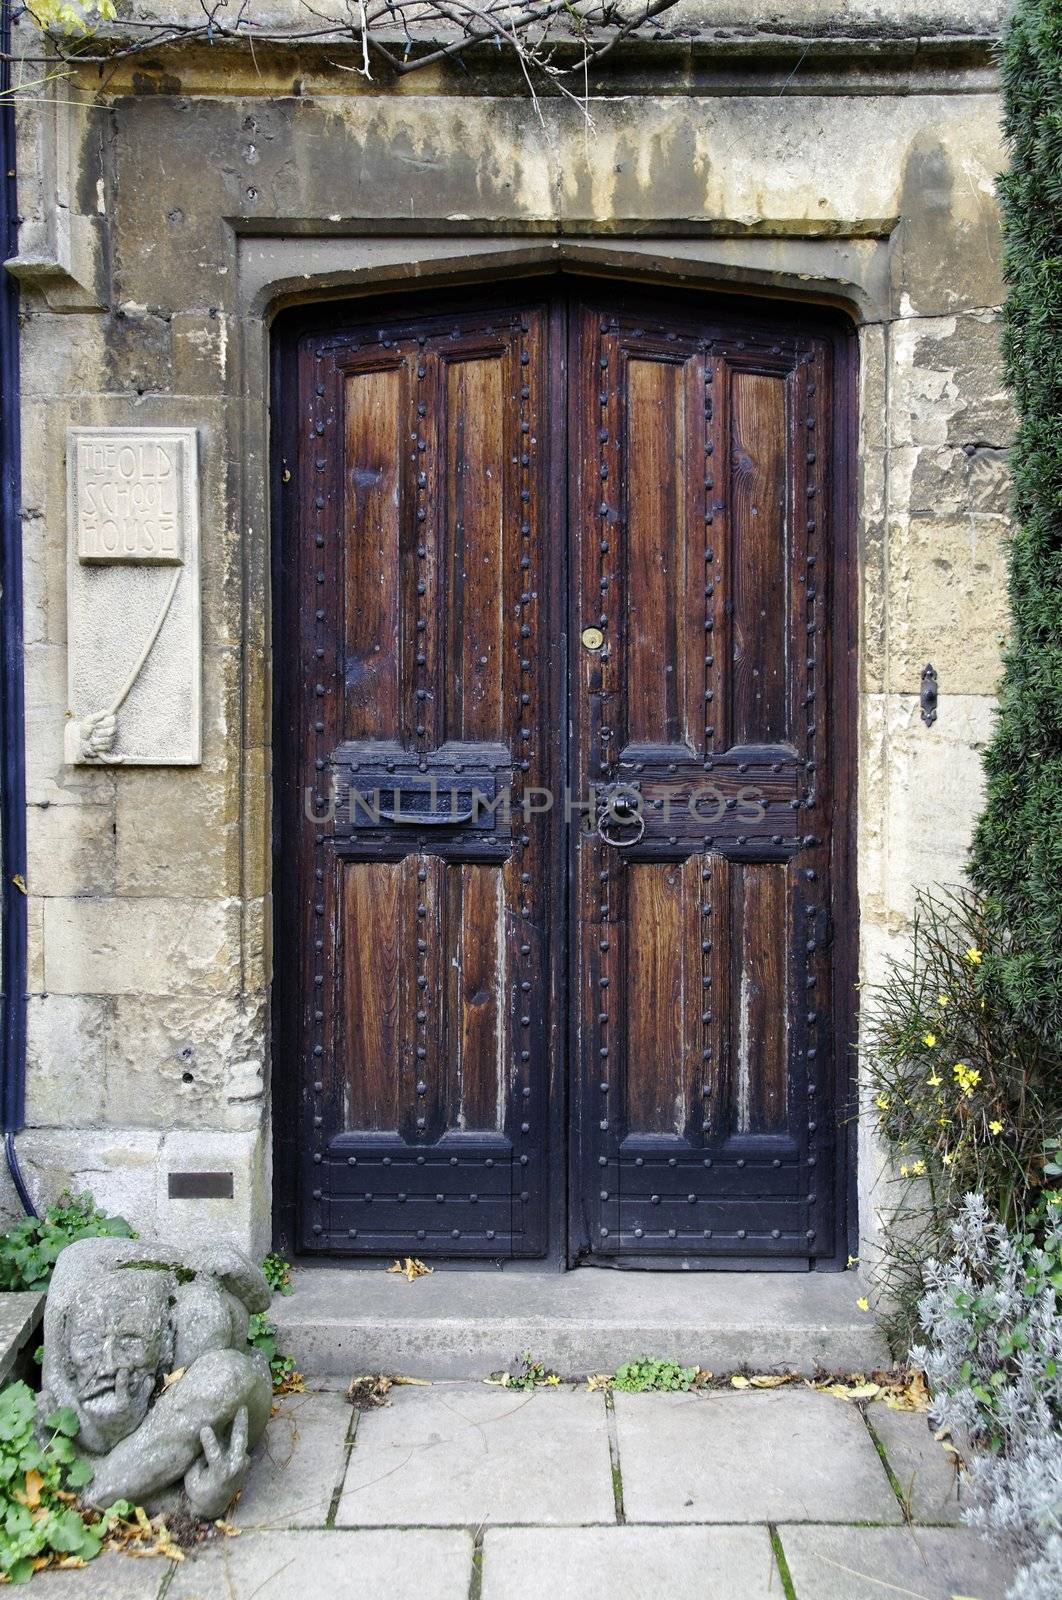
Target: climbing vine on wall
[(555, 41)]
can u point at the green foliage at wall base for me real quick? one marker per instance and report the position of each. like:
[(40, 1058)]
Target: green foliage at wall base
[(29, 1250)]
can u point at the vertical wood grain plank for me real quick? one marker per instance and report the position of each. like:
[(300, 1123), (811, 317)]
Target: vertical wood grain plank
[(374, 907), (473, 619), (478, 1054), (662, 993), (656, 551), (760, 1002), (758, 558), (372, 474)]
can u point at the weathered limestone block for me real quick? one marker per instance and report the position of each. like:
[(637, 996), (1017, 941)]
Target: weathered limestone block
[(142, 946), (181, 1062), (69, 1038), (123, 1316), (70, 850), (130, 1172)]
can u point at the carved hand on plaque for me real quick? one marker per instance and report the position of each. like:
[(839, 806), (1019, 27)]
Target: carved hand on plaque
[(96, 733)]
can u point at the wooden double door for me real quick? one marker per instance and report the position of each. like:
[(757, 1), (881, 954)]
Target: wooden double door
[(561, 630)]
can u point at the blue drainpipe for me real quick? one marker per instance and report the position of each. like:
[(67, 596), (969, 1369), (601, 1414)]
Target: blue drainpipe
[(12, 717)]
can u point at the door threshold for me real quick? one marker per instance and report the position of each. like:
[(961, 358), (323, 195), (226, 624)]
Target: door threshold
[(342, 1319)]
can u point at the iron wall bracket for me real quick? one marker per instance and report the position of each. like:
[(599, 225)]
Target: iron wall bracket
[(928, 696)]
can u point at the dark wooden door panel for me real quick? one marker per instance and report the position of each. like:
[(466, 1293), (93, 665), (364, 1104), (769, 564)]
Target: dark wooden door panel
[(705, 1128), (448, 542), (424, 927)]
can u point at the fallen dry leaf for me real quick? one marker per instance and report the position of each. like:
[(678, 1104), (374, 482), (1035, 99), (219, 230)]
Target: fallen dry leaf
[(294, 1383), (369, 1389), (909, 1392), (738, 1382), (855, 1387), (598, 1380), (173, 1377), (772, 1380), (411, 1269)]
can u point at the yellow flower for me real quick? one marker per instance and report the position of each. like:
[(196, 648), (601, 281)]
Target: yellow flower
[(930, 1039), (995, 1127), (947, 1158), (934, 1080), (882, 1102), (943, 1000), (973, 956), (918, 1168), (905, 1172), (863, 1303), (966, 1077)]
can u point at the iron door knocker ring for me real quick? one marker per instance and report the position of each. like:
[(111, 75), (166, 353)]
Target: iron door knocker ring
[(620, 808)]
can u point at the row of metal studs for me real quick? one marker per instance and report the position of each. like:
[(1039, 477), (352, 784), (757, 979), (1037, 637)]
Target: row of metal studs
[(710, 679), (421, 692), (604, 731), (524, 615), (811, 529), (318, 423)]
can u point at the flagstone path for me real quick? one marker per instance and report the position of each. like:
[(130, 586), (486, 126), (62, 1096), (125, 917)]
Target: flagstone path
[(461, 1491)]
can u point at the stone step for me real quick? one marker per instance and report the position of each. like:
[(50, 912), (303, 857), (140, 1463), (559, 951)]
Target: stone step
[(467, 1324)]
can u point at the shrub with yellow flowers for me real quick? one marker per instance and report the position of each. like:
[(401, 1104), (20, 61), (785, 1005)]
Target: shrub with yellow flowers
[(965, 1095)]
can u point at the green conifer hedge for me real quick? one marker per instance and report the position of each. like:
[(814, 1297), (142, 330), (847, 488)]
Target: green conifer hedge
[(1017, 852)]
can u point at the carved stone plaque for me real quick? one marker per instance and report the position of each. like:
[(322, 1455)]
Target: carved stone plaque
[(133, 624), (129, 494)]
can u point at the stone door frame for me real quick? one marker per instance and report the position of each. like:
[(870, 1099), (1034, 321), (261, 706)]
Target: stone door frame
[(275, 273)]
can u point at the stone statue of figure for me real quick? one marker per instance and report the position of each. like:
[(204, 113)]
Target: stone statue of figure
[(149, 1347)]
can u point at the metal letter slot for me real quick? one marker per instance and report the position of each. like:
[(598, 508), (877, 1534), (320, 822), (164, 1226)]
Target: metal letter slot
[(421, 808)]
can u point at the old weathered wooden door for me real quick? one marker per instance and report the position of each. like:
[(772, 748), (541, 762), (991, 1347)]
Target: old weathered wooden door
[(703, 518), (556, 823)]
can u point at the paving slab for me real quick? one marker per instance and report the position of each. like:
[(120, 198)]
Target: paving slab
[(342, 1320), (925, 1470), (629, 1564), (784, 1455), (472, 1454), (298, 1465), (417, 1565), (874, 1563), (109, 1577)]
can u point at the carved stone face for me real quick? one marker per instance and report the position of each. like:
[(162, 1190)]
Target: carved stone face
[(117, 1332)]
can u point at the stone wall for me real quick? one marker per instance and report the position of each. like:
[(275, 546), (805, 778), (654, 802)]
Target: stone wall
[(173, 205)]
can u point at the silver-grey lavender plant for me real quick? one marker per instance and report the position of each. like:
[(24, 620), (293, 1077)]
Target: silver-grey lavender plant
[(993, 1358)]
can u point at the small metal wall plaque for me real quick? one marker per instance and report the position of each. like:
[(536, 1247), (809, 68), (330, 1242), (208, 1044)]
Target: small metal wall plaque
[(200, 1186)]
